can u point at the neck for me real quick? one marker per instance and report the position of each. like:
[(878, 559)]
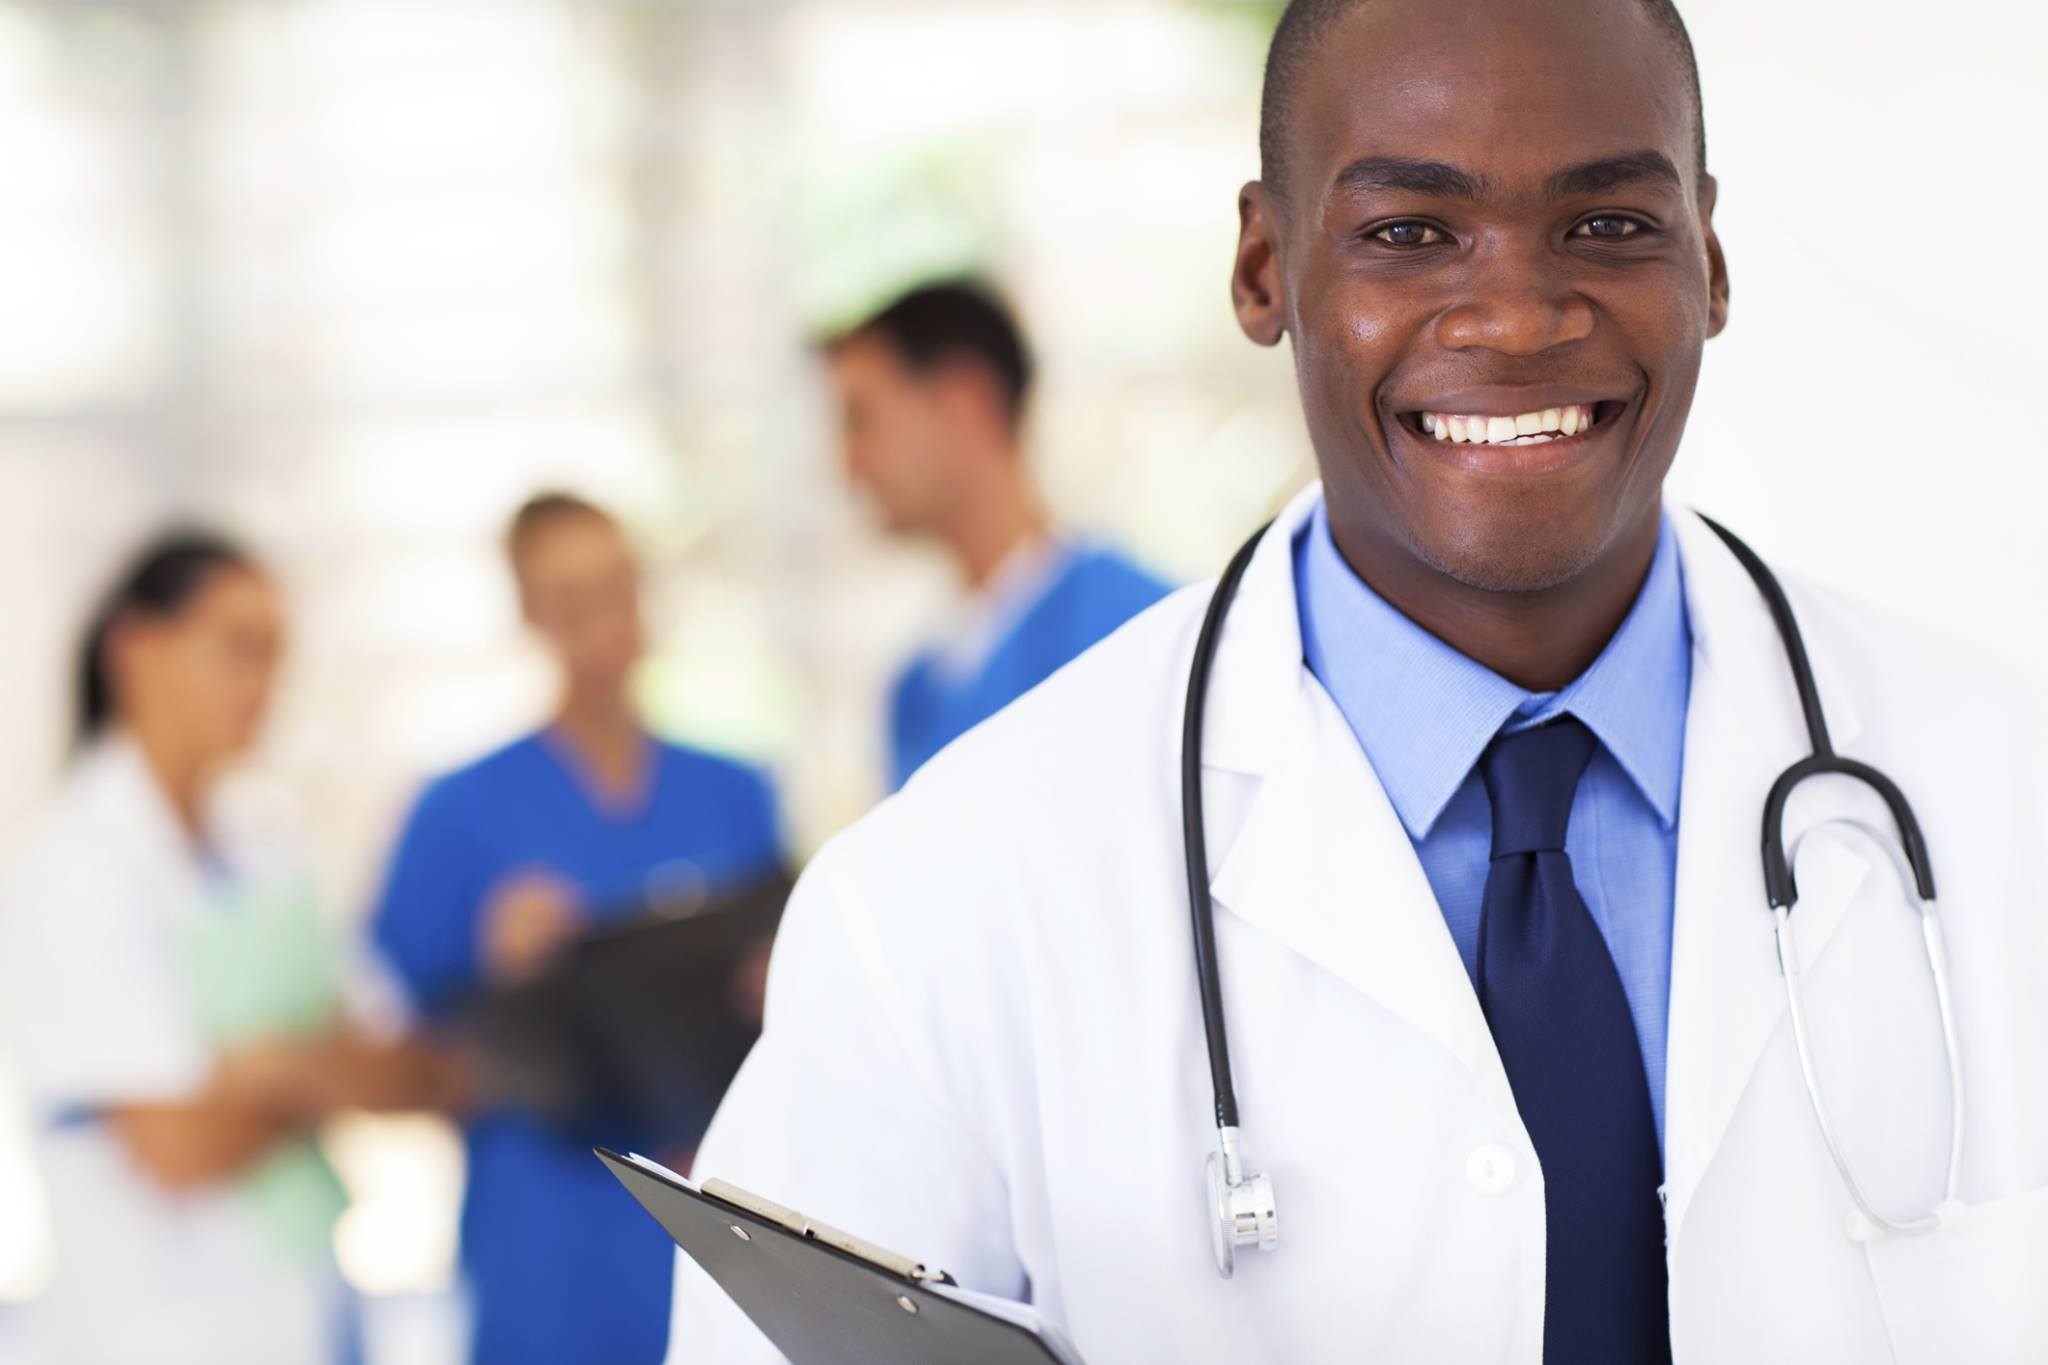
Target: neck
[(598, 727), (597, 721), (1542, 640), (183, 777), (1002, 517)]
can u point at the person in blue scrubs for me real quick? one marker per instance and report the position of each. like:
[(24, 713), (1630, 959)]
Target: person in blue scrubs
[(931, 394), (500, 867)]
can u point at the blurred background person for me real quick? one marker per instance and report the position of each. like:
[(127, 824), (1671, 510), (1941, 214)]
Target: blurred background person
[(931, 394), (176, 1000), (500, 868)]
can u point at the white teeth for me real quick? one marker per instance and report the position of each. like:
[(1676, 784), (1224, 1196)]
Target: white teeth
[(1526, 428)]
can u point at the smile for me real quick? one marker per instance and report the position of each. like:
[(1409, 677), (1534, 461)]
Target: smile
[(1521, 429)]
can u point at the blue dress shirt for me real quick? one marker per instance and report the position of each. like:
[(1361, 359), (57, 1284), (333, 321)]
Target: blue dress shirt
[(1424, 713)]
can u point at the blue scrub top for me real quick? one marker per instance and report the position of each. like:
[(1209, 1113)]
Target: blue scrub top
[(1092, 593), (562, 1264)]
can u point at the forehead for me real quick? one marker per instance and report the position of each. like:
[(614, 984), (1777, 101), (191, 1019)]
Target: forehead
[(235, 590), (572, 544), (867, 358), (1511, 89)]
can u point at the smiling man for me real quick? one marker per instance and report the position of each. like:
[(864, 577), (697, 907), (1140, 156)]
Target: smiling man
[(1466, 835)]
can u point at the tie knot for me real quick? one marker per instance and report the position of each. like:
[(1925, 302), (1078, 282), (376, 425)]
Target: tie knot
[(1530, 778)]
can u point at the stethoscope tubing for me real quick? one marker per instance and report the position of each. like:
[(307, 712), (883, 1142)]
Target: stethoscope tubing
[(1194, 838)]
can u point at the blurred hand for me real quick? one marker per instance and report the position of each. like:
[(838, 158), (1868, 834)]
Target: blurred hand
[(278, 1077), (528, 919), (300, 1082), (748, 990)]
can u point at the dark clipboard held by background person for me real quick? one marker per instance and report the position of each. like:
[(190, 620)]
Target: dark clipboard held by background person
[(639, 1028)]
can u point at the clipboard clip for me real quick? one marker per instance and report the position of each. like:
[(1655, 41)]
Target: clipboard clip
[(881, 1258)]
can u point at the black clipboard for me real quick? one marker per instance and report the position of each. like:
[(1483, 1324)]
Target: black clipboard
[(825, 1297), (635, 1034)]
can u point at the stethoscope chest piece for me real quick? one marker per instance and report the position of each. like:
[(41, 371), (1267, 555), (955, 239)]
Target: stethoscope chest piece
[(1242, 1207)]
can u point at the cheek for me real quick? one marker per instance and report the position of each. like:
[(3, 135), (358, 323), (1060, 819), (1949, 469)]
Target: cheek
[(1661, 308), (220, 693), (1357, 330), (1346, 347)]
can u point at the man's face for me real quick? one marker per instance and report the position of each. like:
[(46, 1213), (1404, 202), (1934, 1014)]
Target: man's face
[(1495, 261), (579, 585), (898, 432)]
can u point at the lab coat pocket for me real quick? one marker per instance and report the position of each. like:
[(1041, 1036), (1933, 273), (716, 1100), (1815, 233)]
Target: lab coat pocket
[(1972, 1288)]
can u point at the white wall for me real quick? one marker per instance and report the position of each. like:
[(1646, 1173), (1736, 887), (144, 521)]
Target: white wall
[(1868, 415)]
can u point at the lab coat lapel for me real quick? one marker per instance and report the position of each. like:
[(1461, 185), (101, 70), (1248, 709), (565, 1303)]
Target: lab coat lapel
[(126, 795), (1743, 728), (1320, 860)]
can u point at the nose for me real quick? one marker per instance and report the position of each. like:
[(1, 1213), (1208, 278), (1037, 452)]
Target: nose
[(1516, 306)]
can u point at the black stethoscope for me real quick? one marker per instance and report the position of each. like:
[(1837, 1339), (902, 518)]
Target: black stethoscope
[(1242, 1205)]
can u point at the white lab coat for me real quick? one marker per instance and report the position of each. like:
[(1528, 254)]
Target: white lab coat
[(983, 1043), (100, 1011)]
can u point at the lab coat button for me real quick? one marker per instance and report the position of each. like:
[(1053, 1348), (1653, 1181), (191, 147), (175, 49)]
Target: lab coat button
[(1859, 1227), (1490, 1169)]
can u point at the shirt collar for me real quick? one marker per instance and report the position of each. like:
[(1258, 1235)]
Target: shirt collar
[(985, 617), (1424, 713)]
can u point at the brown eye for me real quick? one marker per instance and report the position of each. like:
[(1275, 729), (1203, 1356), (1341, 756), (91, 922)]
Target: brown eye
[(1608, 228), (1408, 234)]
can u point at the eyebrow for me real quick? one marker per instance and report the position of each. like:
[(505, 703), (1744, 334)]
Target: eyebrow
[(1441, 180), (1612, 172), (1402, 174)]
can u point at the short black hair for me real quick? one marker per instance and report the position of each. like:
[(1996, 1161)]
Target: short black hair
[(1304, 23), (947, 321)]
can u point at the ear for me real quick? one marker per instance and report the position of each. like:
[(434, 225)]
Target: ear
[(1717, 264), (970, 395), (125, 645), (1256, 290)]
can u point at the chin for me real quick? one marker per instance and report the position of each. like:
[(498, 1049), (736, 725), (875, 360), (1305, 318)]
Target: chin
[(1508, 540), (238, 746), (1510, 569)]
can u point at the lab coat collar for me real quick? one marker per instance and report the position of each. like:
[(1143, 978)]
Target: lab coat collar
[(1258, 679), (1321, 860), (114, 785), (245, 824)]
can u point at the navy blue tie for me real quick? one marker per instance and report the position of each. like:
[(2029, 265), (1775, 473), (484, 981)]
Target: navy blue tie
[(1554, 1002)]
